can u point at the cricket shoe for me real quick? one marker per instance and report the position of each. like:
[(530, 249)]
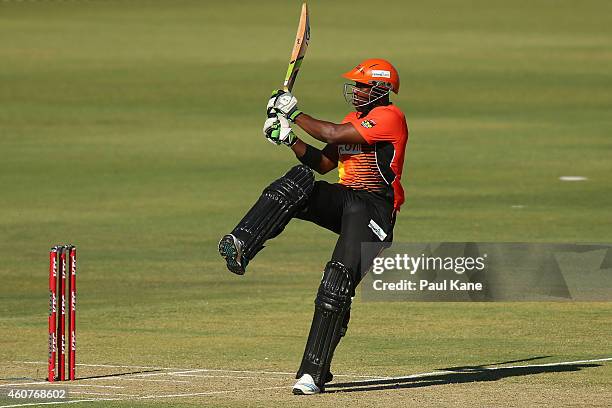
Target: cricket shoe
[(306, 386), (230, 248)]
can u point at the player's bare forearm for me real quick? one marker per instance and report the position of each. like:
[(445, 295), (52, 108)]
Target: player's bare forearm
[(299, 148), (320, 161), (329, 132)]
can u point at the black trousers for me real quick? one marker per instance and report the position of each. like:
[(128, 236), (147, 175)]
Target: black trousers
[(357, 216)]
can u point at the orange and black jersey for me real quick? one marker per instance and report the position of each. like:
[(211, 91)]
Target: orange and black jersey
[(376, 166)]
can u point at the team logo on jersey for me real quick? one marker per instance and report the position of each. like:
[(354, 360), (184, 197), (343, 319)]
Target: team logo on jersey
[(349, 149), (368, 124)]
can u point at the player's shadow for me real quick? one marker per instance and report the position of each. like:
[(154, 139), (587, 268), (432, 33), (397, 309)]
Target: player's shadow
[(455, 375), (91, 377)]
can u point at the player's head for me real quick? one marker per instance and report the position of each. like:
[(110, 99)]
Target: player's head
[(374, 79)]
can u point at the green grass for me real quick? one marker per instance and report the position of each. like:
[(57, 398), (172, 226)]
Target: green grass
[(133, 130)]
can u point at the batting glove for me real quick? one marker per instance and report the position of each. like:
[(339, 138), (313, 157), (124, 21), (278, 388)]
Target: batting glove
[(278, 131), (271, 130), (270, 112), (286, 136), (285, 103)]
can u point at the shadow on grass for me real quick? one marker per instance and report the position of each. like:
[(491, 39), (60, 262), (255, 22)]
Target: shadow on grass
[(456, 375), (522, 360), (91, 377)]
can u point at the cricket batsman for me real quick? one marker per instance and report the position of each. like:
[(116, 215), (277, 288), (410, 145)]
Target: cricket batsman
[(368, 149)]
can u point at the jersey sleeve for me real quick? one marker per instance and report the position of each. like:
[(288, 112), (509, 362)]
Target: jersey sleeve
[(381, 125), (349, 117)]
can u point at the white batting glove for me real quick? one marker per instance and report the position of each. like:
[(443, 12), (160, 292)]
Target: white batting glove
[(286, 136), (284, 103), (272, 130)]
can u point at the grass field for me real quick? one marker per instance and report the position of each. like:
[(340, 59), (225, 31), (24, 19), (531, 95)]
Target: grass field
[(132, 129)]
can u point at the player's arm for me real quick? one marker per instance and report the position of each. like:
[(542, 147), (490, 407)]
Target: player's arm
[(277, 130), (321, 161), (286, 104), (329, 132)]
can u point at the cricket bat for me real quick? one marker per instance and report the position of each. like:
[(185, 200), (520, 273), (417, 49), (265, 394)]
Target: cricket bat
[(302, 39)]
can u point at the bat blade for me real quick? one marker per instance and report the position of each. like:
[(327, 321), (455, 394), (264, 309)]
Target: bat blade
[(302, 39)]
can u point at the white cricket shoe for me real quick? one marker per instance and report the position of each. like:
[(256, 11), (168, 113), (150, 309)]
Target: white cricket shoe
[(306, 386)]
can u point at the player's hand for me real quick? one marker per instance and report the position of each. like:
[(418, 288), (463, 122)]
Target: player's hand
[(271, 130), (285, 103), (270, 112), (286, 136), (278, 131)]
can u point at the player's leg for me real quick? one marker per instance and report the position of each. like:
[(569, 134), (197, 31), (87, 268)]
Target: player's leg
[(364, 219), (332, 304), (330, 322), (279, 202), (325, 206)]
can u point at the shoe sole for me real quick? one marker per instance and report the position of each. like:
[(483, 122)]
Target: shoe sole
[(229, 250), (297, 391)]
